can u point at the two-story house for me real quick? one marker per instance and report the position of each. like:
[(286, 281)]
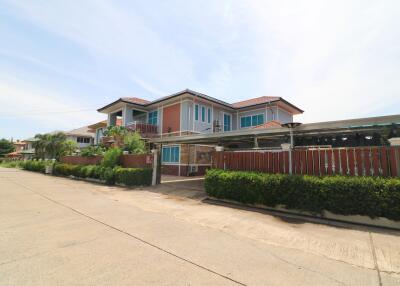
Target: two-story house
[(189, 112)]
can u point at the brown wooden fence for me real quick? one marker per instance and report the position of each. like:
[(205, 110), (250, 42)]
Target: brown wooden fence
[(360, 161), (127, 161)]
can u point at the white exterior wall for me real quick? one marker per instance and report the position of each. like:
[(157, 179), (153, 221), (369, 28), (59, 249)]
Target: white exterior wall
[(199, 125), (187, 116), (284, 116), (80, 145)]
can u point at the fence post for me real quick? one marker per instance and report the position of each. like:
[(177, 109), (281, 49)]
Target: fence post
[(286, 147), (395, 160)]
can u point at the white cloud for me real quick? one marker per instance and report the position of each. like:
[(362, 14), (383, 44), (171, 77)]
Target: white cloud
[(40, 107), (147, 86), (112, 35), (335, 59)]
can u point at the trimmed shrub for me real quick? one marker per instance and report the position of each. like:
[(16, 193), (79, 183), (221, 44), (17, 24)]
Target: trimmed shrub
[(11, 164), (35, 166), (111, 158), (108, 175), (62, 169), (134, 176), (345, 195)]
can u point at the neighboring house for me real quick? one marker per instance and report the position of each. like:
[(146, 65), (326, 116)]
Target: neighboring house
[(19, 146), (29, 151), (83, 136), (23, 149), (189, 112), (98, 130)]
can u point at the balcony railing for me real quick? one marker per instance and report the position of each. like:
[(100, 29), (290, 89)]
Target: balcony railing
[(145, 129)]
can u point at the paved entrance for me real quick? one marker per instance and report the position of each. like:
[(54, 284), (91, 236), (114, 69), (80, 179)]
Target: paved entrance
[(65, 232)]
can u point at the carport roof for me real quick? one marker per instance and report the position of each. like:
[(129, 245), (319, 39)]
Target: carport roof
[(329, 127)]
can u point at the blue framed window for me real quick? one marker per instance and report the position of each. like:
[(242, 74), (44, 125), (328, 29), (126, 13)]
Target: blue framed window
[(153, 117), (208, 115), (257, 119), (196, 112), (227, 122), (247, 121), (170, 154), (203, 114)]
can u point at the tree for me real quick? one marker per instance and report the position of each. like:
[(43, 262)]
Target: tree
[(92, 151), (118, 133), (69, 147), (51, 146), (6, 147), (134, 143)]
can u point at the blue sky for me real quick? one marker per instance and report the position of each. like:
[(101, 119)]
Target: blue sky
[(60, 60)]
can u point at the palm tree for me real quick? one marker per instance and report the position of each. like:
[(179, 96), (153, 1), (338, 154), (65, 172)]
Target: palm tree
[(50, 146)]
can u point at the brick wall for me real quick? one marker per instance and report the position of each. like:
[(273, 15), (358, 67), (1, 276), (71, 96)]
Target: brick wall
[(137, 161), (127, 161), (80, 160)]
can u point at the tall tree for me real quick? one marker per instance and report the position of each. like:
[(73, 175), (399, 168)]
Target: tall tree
[(6, 147)]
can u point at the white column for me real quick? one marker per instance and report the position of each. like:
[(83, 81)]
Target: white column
[(155, 161)]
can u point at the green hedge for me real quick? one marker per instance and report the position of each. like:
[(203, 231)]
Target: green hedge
[(11, 164), (134, 176), (127, 176), (35, 166), (370, 196)]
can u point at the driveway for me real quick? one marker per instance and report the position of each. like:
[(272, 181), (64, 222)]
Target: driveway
[(57, 231)]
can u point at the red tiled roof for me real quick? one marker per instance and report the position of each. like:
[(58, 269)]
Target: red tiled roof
[(236, 105), (103, 123), (254, 101), (14, 154), (269, 124), (135, 100)]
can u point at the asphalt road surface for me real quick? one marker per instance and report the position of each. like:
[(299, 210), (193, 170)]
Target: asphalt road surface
[(58, 231)]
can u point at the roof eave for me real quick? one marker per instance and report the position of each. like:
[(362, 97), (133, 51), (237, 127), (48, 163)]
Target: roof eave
[(118, 101)]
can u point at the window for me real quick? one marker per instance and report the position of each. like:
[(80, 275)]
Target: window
[(196, 112), (83, 140), (208, 115), (203, 114), (153, 117), (247, 121), (257, 119), (170, 154), (227, 122)]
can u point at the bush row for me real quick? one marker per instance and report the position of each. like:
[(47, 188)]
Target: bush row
[(11, 164), (126, 176), (370, 196), (35, 166)]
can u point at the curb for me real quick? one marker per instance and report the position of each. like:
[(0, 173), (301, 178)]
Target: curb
[(293, 215)]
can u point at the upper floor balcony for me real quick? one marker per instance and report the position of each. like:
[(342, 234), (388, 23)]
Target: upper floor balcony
[(146, 130)]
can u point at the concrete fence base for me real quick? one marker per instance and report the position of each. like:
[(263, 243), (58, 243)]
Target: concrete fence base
[(354, 219)]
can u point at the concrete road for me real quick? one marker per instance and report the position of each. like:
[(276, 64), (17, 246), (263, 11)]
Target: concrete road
[(57, 231)]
